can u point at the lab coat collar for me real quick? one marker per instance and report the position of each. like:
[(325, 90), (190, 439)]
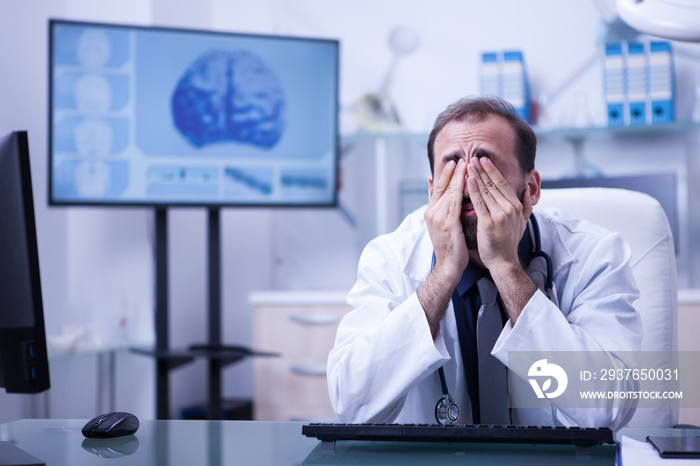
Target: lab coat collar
[(552, 241)]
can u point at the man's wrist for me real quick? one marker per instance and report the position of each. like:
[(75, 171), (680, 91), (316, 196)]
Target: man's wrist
[(446, 277), (508, 272), (434, 296), (515, 287)]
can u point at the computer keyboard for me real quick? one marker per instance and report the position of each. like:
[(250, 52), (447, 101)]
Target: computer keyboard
[(579, 436)]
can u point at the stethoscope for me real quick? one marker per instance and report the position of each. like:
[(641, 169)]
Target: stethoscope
[(446, 410)]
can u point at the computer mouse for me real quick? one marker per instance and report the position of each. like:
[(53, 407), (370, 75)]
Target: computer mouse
[(111, 425)]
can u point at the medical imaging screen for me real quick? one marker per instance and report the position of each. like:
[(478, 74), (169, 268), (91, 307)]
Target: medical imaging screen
[(151, 116)]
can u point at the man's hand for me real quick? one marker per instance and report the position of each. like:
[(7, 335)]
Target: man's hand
[(502, 220), (502, 217), (442, 217)]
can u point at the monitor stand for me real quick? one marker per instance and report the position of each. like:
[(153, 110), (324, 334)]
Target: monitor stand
[(11, 455)]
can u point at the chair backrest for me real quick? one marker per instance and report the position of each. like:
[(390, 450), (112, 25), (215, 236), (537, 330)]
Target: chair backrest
[(641, 221)]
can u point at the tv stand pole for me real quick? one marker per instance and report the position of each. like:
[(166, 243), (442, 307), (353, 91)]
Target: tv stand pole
[(218, 355), (215, 364), (164, 363), (166, 359), (161, 321)]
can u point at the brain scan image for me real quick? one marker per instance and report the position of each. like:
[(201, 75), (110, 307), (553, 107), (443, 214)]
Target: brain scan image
[(92, 178), (92, 93), (153, 116), (229, 96), (93, 137), (93, 48)]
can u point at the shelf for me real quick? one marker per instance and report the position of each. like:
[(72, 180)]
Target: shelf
[(176, 358), (66, 355), (571, 133)]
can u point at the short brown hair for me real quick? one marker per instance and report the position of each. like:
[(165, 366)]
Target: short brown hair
[(478, 109)]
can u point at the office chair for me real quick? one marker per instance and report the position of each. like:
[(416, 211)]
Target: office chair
[(641, 221)]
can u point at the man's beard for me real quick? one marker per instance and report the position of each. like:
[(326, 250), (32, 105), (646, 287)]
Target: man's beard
[(469, 228)]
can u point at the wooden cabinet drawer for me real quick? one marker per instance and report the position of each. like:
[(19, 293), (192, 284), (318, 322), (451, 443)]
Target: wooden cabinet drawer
[(293, 386), (303, 335)]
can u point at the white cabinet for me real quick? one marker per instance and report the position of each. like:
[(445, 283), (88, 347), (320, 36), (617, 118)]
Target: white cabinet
[(301, 327)]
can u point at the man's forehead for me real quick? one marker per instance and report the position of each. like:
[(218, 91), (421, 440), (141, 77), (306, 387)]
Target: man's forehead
[(492, 129)]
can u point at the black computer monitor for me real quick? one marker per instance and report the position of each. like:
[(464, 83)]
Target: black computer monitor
[(176, 117), (24, 366)]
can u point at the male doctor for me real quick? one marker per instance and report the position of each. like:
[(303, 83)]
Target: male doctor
[(440, 302)]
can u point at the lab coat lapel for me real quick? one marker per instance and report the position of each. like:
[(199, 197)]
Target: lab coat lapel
[(418, 263), (554, 245)]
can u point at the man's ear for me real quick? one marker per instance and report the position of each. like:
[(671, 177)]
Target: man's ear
[(533, 184), (430, 187)]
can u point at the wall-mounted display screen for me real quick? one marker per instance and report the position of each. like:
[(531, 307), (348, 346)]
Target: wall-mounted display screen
[(155, 116)]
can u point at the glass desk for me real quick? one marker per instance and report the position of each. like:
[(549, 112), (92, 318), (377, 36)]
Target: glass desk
[(61, 442), (213, 443)]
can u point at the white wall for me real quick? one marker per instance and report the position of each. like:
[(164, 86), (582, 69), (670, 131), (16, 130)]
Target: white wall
[(97, 263)]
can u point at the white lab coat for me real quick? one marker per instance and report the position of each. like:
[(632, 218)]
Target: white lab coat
[(383, 367)]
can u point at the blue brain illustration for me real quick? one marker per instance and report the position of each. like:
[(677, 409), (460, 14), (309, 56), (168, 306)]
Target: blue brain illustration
[(229, 96)]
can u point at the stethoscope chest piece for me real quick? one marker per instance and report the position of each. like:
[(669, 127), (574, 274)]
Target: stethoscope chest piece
[(446, 411)]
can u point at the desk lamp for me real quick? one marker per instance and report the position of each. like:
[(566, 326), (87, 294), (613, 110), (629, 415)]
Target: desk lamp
[(669, 19), (376, 112)]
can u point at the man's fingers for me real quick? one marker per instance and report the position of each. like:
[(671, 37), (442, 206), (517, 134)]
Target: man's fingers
[(527, 204), (485, 191), (495, 183), (444, 181), (443, 218), (454, 194), (475, 196), (448, 193)]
